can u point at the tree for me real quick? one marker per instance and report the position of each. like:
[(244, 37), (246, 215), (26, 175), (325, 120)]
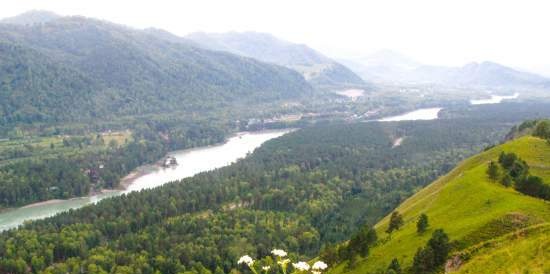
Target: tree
[(542, 130), (433, 254), (396, 221), (440, 245), (507, 159), (507, 180), (493, 171), (422, 223), (360, 242), (423, 261), (394, 267)]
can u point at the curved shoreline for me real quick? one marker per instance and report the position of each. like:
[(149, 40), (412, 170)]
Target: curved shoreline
[(13, 217)]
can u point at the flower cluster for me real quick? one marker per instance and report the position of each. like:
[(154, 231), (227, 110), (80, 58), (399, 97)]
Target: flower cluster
[(283, 262)]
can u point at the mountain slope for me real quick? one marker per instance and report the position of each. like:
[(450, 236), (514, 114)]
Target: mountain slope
[(482, 218), (387, 66), (31, 17), (316, 68), (132, 72)]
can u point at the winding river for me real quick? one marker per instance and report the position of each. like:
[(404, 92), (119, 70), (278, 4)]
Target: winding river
[(419, 114), (190, 162)]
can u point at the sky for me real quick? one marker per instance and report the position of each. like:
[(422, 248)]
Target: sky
[(437, 32)]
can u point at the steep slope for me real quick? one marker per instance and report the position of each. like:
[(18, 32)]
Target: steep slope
[(132, 72), (493, 229), (316, 68)]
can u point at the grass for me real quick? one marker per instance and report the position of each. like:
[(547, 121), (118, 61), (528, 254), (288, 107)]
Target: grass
[(32, 147), (471, 209)]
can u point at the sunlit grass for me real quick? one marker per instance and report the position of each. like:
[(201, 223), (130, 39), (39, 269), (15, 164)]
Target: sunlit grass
[(465, 204)]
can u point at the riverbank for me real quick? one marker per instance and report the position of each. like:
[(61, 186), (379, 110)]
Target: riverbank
[(191, 162)]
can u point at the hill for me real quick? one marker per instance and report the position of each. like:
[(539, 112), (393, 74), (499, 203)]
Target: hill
[(387, 66), (31, 18), (493, 229), (315, 67), (112, 70)]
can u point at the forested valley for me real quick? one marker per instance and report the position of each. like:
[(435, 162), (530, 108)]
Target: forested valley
[(301, 192)]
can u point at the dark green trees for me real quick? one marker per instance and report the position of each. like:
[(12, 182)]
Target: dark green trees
[(360, 243), (517, 172), (422, 223), (542, 129), (396, 221), (394, 267), (493, 171), (433, 255)]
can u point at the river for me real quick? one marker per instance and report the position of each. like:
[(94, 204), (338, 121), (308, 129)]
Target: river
[(419, 114), (190, 162), (495, 99)]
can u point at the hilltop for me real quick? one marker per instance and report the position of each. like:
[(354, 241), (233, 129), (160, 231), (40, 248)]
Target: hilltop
[(318, 69), (492, 228), (83, 69)]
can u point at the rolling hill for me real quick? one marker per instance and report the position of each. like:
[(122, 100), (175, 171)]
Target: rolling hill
[(112, 70), (493, 229), (315, 67)]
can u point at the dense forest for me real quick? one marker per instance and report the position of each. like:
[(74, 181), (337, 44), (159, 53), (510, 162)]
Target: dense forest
[(57, 167), (300, 192), (78, 69)]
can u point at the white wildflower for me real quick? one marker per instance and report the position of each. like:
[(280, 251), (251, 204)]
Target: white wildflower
[(301, 266), (246, 260), (319, 265), (278, 252), (266, 268)]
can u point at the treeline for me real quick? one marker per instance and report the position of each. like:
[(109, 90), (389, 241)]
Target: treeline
[(511, 170), (300, 192)]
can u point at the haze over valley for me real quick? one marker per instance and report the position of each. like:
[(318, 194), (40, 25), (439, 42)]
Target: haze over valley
[(288, 137)]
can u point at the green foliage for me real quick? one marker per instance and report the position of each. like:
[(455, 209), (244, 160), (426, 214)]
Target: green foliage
[(493, 171), (396, 221), (394, 267), (484, 219), (433, 255), (422, 223), (300, 192), (80, 70), (518, 171), (542, 129), (360, 242)]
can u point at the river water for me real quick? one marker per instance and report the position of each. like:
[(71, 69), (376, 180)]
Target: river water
[(419, 114), (495, 99), (190, 162)]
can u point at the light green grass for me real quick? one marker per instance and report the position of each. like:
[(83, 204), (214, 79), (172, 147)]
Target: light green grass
[(467, 206), (40, 147)]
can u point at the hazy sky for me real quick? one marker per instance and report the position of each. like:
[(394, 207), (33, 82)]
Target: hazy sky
[(515, 33)]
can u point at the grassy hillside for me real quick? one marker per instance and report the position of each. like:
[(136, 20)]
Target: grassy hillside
[(497, 228)]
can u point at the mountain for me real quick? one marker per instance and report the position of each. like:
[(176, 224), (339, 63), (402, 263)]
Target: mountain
[(492, 228), (315, 67), (31, 18), (381, 66), (101, 70), (391, 67)]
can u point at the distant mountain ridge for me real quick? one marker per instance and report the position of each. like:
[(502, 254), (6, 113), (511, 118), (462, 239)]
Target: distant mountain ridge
[(315, 67), (93, 68), (31, 17), (391, 67)]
